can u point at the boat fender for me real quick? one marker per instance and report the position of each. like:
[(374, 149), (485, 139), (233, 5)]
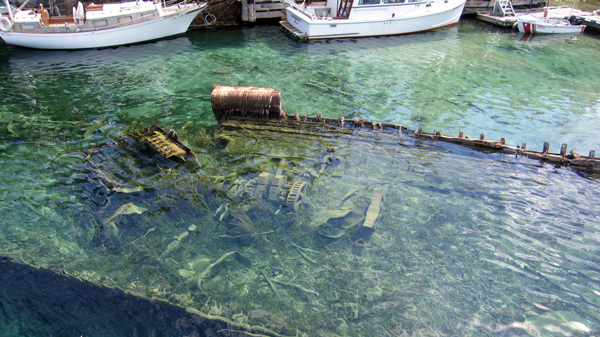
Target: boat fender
[(78, 14), (5, 24)]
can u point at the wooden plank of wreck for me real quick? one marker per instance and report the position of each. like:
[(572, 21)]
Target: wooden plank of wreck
[(374, 208)]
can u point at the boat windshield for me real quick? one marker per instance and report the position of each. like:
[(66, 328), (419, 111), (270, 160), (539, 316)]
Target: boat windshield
[(368, 2)]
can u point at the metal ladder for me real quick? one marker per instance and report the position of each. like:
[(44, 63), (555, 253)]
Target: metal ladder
[(344, 9), (504, 8)]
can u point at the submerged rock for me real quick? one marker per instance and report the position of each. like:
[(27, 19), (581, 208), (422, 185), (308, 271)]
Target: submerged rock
[(107, 236), (128, 208), (322, 216), (331, 231)]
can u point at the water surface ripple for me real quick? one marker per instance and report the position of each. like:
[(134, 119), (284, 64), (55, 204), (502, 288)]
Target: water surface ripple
[(466, 243)]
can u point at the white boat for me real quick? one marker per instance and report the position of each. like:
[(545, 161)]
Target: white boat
[(97, 26), (535, 25), (362, 18)]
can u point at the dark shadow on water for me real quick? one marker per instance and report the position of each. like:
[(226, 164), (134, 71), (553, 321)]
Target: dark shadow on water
[(39, 302)]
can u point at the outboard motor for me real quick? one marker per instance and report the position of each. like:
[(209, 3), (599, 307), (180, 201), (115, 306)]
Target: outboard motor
[(575, 20)]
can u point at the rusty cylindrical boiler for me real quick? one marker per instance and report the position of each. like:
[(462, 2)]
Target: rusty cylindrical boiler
[(265, 102)]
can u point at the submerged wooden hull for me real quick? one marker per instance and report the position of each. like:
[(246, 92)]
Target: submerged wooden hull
[(155, 29)]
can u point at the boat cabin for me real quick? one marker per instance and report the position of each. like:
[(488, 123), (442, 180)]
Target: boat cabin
[(90, 17), (341, 9)]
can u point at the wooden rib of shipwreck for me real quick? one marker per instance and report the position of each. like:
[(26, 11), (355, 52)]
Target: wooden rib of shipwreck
[(234, 118), (165, 143), (374, 208)]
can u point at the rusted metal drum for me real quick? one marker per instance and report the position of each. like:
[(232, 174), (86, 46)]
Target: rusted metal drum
[(264, 102)]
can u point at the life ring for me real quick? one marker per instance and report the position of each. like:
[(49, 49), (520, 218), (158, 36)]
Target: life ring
[(210, 18), (5, 24)]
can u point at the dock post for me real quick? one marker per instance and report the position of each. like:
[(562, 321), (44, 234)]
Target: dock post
[(251, 11), (245, 10), (248, 11)]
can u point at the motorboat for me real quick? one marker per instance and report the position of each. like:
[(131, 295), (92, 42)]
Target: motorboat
[(535, 25), (361, 18), (97, 26)]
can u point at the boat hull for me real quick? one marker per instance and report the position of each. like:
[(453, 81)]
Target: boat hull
[(542, 27), (396, 20), (155, 29)]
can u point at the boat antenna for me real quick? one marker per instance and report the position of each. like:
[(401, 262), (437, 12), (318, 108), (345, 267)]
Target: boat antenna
[(570, 13), (23, 4)]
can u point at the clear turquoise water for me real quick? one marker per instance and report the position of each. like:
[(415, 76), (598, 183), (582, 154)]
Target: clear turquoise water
[(467, 243)]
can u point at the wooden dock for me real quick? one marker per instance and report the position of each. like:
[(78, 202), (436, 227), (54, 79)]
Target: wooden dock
[(476, 6), (262, 9), (497, 20), (591, 21)]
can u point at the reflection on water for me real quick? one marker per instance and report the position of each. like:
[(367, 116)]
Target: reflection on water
[(466, 243), (539, 38)]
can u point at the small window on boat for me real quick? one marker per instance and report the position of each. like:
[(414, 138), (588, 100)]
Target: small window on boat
[(100, 23), (394, 1), (368, 2), (27, 27), (124, 19)]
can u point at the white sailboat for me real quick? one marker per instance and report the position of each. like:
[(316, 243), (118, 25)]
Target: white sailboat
[(361, 18), (97, 26), (535, 25)]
